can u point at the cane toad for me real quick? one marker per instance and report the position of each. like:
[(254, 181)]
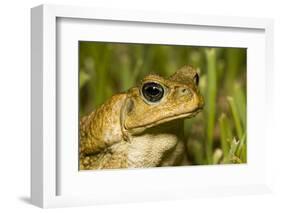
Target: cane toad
[(142, 127)]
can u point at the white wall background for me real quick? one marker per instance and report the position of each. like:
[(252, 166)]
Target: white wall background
[(15, 104)]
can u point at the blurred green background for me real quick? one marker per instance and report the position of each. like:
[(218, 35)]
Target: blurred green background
[(215, 136)]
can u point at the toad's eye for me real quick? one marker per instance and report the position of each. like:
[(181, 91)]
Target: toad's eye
[(152, 92)]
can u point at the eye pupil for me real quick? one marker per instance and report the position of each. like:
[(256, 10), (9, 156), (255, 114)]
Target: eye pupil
[(152, 92)]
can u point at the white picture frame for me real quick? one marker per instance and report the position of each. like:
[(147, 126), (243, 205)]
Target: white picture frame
[(54, 183)]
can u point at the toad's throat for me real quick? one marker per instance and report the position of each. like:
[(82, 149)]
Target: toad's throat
[(166, 119)]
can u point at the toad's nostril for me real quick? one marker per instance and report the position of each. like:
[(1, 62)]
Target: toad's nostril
[(184, 92)]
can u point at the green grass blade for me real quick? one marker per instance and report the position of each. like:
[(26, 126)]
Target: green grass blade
[(83, 78), (240, 100), (233, 147), (224, 134), (236, 118), (211, 91), (240, 152)]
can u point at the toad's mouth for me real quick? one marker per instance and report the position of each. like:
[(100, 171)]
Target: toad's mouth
[(167, 119)]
